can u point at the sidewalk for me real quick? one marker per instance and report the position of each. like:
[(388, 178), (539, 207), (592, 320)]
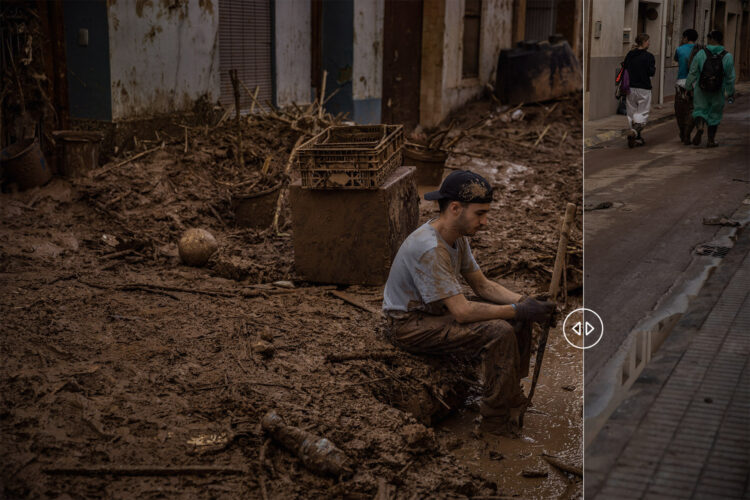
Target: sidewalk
[(602, 130), (683, 432)]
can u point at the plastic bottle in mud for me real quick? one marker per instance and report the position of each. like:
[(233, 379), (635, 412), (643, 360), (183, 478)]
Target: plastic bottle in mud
[(317, 453)]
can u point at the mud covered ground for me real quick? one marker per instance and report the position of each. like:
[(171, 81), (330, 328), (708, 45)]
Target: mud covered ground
[(116, 355)]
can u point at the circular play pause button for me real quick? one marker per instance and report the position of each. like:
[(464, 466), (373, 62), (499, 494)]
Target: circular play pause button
[(583, 328)]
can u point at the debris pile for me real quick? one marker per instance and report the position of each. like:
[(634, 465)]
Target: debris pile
[(121, 361)]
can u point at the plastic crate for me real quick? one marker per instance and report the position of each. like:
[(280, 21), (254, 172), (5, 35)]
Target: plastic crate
[(359, 147), (350, 179)]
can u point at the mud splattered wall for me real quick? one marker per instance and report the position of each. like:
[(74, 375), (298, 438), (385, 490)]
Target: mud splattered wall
[(495, 34), (293, 51), (163, 55), (367, 71)]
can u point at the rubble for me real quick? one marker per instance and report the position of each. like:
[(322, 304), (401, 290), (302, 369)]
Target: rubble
[(115, 350)]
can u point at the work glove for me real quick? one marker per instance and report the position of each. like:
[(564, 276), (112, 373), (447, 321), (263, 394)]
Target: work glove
[(534, 310)]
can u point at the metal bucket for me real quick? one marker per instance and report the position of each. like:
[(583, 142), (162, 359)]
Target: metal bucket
[(256, 210), (429, 162), (80, 151), (23, 164)]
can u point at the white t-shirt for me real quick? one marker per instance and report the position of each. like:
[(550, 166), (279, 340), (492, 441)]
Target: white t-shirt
[(426, 269)]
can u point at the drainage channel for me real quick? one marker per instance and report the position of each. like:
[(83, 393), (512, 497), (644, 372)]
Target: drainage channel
[(611, 386)]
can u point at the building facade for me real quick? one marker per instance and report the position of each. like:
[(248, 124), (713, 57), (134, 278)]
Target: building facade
[(384, 60), (612, 25)]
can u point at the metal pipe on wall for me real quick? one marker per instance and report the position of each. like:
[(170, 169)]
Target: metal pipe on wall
[(663, 50)]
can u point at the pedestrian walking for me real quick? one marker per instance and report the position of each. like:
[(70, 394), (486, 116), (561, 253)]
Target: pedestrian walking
[(683, 100), (641, 66), (711, 79)]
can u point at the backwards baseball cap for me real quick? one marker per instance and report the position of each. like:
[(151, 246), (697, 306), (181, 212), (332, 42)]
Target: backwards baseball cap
[(464, 186)]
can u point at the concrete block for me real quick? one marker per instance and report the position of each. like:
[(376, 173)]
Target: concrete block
[(351, 236)]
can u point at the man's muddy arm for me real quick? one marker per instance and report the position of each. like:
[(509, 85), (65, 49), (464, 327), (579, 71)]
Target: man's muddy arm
[(489, 290), (466, 311)]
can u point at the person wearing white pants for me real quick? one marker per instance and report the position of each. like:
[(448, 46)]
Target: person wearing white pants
[(641, 66), (638, 105)]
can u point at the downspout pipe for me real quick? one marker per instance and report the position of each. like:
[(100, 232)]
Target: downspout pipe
[(663, 50)]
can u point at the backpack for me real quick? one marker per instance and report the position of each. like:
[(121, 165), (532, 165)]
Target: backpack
[(712, 74), (622, 82)]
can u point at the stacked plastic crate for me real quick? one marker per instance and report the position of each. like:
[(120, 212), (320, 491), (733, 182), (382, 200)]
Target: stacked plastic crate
[(355, 157)]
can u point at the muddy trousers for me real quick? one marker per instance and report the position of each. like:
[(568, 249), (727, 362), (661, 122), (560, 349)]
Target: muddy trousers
[(504, 350), (683, 111)]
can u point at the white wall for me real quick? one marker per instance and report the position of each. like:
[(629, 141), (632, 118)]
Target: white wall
[(161, 58), (495, 35), (293, 52), (611, 14), (367, 70)]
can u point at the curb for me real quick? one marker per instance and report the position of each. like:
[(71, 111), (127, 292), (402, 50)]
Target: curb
[(614, 134), (645, 340)]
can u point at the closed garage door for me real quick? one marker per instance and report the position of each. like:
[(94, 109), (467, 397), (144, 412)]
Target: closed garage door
[(245, 37), (540, 19)]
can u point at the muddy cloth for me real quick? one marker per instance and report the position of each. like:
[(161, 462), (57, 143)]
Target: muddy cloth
[(683, 112), (504, 349), (641, 66), (710, 105), (426, 270)]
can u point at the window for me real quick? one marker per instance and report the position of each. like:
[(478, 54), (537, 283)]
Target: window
[(472, 22)]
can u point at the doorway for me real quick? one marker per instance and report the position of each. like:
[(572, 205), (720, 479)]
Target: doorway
[(402, 62)]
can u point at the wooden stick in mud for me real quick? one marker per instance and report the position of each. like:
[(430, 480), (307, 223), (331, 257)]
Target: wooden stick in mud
[(349, 299), (236, 89), (128, 160), (556, 462), (280, 199), (562, 245), (114, 470), (554, 287), (542, 134), (253, 96), (360, 355), (322, 94)]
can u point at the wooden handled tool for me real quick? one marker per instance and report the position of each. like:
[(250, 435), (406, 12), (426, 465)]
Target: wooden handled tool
[(554, 287)]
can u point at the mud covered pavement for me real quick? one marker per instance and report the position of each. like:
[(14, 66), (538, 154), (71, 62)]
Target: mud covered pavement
[(116, 355)]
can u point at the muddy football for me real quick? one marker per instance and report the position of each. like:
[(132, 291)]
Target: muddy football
[(196, 246)]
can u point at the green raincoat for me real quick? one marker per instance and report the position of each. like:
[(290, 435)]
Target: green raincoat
[(710, 105)]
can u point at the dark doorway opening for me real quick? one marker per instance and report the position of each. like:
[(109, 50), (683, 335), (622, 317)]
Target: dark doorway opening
[(402, 62)]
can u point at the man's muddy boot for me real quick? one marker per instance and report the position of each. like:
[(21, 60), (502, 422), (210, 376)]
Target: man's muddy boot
[(686, 137), (698, 132), (712, 136)]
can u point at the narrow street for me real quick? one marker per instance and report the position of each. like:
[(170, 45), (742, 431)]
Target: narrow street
[(638, 248)]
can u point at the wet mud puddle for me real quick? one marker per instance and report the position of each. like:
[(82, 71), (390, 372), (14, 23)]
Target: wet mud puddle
[(552, 426)]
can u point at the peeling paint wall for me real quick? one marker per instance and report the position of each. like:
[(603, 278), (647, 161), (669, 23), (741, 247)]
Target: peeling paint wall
[(163, 55), (495, 34), (293, 51), (367, 70)]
